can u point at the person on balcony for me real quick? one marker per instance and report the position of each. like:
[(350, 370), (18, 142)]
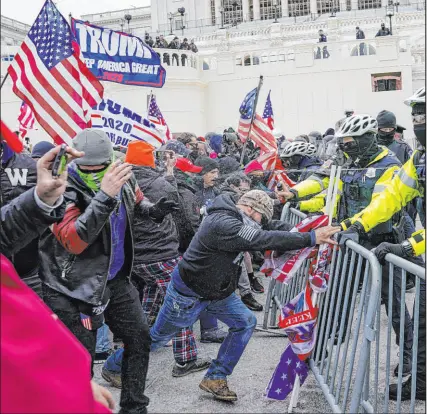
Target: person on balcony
[(322, 39), (384, 31), (175, 45), (193, 46), (161, 43), (360, 35), (184, 46)]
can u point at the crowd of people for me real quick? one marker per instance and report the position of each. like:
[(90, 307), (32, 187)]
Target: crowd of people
[(144, 243), (175, 43)]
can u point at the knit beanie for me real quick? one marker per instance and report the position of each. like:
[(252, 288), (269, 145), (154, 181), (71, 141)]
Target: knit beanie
[(259, 201), (227, 165), (254, 165), (140, 153), (41, 148), (386, 119), (216, 143), (96, 145), (208, 164)]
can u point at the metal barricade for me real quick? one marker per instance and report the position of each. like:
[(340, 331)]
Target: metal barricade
[(346, 320), (279, 293), (380, 368), (352, 360)]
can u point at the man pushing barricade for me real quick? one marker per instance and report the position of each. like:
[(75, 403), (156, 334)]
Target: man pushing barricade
[(208, 275)]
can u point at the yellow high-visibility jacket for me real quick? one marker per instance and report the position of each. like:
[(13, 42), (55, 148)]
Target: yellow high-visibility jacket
[(318, 186), (399, 192)]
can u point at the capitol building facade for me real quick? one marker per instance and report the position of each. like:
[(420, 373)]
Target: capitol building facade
[(240, 40)]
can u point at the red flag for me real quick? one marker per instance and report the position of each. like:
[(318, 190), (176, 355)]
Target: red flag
[(50, 76)]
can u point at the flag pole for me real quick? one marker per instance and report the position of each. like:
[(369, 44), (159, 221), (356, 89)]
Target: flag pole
[(329, 210), (4, 79), (261, 79), (149, 102)]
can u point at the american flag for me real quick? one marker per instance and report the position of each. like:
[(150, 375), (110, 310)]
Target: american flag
[(155, 116), (283, 379), (260, 133), (49, 74), (268, 115), (26, 119), (86, 321)]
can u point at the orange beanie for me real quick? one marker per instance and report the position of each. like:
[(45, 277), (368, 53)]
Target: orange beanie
[(140, 153)]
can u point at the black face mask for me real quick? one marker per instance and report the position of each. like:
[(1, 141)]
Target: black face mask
[(385, 138), (350, 148), (256, 180), (361, 149), (420, 133)]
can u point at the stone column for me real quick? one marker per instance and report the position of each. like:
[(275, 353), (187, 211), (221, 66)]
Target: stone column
[(218, 13), (257, 11), (285, 8), (354, 5), (343, 5), (313, 7), (245, 10)]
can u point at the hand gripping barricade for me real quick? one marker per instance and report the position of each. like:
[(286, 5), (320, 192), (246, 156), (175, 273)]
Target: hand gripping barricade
[(354, 356)]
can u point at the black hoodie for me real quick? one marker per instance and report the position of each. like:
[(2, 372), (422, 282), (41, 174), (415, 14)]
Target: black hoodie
[(155, 242), (208, 267)]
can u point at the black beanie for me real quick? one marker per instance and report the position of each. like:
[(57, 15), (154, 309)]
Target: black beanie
[(208, 164), (386, 119)]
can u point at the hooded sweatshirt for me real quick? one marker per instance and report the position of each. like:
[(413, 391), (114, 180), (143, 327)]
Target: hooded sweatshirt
[(211, 266), (155, 242)]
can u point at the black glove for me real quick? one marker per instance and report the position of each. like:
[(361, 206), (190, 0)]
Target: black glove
[(352, 233), (162, 208), (384, 248)]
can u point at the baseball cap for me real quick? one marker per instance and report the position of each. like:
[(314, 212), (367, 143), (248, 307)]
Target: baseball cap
[(185, 165), (259, 201)]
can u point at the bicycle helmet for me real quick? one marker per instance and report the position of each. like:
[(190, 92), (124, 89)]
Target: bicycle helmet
[(357, 125), (298, 148), (419, 97)]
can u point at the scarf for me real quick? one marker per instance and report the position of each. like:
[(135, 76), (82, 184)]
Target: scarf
[(92, 179)]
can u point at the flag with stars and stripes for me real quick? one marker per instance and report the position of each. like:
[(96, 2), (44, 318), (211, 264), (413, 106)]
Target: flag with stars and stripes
[(283, 379), (26, 119), (49, 74), (155, 116), (268, 115)]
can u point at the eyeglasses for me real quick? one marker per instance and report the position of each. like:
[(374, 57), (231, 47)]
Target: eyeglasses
[(418, 119)]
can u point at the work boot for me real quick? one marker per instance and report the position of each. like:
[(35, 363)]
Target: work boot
[(114, 378), (190, 367), (218, 388), (214, 335), (256, 285), (251, 302), (407, 365), (420, 394)]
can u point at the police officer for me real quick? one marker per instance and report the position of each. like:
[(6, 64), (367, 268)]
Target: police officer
[(387, 127), (409, 183), (366, 173)]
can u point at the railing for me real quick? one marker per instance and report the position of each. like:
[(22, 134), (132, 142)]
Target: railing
[(176, 57), (116, 14), (15, 24), (330, 50), (351, 368)]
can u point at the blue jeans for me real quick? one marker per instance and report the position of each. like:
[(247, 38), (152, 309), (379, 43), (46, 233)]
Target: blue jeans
[(114, 361), (102, 342), (179, 311)]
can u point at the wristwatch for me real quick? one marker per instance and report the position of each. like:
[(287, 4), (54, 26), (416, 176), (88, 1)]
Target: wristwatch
[(407, 247)]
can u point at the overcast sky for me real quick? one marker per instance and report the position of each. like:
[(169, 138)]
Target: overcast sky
[(26, 11)]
